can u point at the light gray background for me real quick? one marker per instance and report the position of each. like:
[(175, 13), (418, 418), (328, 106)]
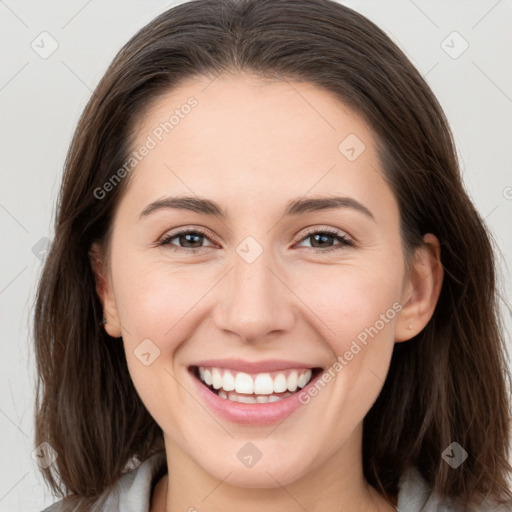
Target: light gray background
[(41, 99)]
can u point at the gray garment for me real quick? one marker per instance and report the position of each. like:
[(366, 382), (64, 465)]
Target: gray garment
[(132, 493)]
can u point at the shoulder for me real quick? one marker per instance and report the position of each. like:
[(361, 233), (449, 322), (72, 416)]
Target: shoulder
[(415, 495), (131, 492)]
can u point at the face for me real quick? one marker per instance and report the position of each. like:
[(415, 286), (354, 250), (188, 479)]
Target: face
[(299, 287)]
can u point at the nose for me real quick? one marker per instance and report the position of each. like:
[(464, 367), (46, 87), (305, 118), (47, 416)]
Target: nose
[(255, 302)]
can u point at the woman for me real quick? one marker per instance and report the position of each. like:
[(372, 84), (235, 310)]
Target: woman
[(329, 340)]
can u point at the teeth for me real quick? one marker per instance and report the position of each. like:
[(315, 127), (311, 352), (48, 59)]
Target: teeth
[(304, 379), (258, 384), (216, 378), (292, 381), (228, 381), (280, 383), (244, 383), (263, 384), (246, 399)]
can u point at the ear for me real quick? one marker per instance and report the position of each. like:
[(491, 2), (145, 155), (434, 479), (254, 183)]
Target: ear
[(421, 289), (105, 291)]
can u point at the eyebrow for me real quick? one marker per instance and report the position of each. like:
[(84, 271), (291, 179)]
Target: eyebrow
[(294, 207)]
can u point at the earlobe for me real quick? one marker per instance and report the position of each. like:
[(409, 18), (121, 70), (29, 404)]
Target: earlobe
[(421, 290), (104, 291)]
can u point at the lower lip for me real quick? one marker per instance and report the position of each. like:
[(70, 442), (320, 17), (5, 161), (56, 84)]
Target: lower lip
[(251, 414)]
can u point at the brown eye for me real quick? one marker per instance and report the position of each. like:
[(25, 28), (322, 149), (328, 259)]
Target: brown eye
[(188, 240), (321, 239)]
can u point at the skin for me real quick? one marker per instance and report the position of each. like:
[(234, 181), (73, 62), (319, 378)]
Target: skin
[(252, 145)]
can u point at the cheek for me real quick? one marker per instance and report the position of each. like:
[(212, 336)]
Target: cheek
[(362, 314), (153, 303), (358, 304), (360, 307), (153, 299), (355, 301)]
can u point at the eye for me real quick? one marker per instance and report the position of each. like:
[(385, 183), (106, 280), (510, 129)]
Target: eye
[(321, 240), (194, 237), (191, 240)]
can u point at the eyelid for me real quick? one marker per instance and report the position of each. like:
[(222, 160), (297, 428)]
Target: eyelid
[(183, 231), (345, 240), (323, 229)]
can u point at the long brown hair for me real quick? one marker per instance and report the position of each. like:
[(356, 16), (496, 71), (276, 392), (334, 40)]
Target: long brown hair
[(450, 383)]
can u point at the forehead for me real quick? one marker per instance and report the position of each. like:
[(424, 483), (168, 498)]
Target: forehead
[(244, 140)]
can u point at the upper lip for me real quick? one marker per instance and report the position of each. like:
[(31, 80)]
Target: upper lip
[(268, 365)]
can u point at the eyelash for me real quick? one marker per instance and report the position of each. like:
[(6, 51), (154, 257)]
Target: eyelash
[(345, 241)]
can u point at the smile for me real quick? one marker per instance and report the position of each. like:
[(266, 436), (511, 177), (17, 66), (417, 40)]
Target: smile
[(254, 388)]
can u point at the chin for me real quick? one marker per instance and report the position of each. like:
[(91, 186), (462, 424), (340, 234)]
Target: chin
[(264, 474)]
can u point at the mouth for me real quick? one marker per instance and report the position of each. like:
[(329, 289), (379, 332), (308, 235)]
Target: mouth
[(254, 388)]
